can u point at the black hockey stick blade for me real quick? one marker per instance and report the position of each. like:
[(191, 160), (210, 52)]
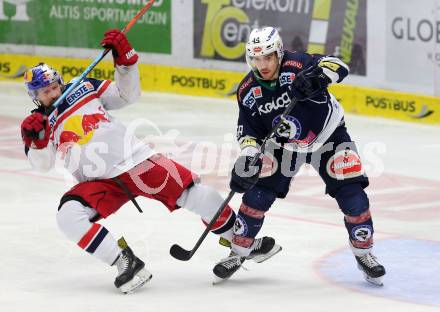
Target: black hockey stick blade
[(179, 253)]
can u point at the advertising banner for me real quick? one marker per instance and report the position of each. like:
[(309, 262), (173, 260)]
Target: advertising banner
[(388, 104), (81, 24), (336, 27), (223, 84), (413, 43)]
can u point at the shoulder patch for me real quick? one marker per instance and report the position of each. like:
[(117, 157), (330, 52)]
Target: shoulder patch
[(243, 87)]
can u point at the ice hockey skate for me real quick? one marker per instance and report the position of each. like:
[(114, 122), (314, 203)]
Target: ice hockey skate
[(373, 271), (262, 249), (131, 270)]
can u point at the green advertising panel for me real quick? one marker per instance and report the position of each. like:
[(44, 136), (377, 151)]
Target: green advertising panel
[(81, 23), (337, 27)]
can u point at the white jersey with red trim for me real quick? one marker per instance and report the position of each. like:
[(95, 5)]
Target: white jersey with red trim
[(92, 144)]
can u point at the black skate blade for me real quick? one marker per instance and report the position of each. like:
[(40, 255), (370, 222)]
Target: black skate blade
[(179, 253)]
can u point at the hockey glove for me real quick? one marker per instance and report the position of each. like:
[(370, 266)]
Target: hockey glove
[(308, 83), (122, 51), (35, 131), (244, 177)]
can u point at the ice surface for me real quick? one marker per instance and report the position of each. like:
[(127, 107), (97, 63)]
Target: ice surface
[(41, 271)]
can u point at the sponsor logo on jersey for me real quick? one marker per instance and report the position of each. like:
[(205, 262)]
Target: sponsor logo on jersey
[(244, 86), (270, 166), (286, 78), (79, 92), (344, 165), (257, 92), (79, 129), (280, 102), (293, 63), (249, 100)]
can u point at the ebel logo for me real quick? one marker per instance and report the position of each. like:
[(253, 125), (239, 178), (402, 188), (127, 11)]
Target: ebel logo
[(20, 10), (280, 102), (286, 78), (249, 100)]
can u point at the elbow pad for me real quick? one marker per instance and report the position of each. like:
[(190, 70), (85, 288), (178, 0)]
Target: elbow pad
[(335, 69)]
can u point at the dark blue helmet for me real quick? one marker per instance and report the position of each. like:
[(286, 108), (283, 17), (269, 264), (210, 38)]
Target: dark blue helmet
[(39, 77)]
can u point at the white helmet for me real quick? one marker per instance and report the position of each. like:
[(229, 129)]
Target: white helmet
[(263, 41)]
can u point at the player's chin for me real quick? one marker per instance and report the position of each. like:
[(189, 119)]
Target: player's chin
[(266, 75)]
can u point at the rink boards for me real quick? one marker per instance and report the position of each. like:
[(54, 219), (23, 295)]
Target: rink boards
[(221, 84)]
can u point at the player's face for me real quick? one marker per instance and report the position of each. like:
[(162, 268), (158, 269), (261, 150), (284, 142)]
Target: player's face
[(267, 65), (48, 95)]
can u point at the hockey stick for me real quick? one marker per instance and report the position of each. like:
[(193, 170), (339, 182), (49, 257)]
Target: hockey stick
[(184, 255), (101, 56)]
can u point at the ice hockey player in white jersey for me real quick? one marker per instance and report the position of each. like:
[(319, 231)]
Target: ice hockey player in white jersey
[(313, 132), (111, 165)]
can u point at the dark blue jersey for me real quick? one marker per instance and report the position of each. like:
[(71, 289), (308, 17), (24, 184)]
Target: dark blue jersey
[(311, 122)]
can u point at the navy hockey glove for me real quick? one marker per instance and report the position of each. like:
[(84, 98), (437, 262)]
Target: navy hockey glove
[(309, 82), (123, 53), (243, 176)]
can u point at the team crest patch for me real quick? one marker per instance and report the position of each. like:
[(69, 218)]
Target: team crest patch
[(344, 165), (290, 129), (240, 226), (362, 233)]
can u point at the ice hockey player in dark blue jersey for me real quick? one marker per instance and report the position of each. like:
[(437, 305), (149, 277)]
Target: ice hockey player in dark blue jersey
[(313, 132)]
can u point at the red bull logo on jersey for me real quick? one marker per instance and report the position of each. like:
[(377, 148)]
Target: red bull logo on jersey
[(79, 129)]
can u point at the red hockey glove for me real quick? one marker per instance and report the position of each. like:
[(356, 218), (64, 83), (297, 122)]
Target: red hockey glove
[(35, 131), (123, 53)]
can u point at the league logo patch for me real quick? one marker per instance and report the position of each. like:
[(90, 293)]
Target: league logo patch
[(344, 165), (249, 100)]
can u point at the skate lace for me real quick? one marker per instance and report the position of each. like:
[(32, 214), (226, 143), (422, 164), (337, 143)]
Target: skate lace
[(369, 260), (232, 262), (258, 242), (122, 264)]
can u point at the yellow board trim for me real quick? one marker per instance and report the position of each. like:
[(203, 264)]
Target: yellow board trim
[(221, 84)]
